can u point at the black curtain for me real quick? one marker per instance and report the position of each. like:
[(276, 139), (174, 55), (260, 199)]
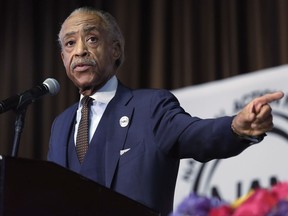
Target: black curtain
[(169, 44)]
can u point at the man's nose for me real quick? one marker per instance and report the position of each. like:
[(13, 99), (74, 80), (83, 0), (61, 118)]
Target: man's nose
[(81, 49)]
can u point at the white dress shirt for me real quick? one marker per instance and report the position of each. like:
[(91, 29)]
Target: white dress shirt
[(101, 99)]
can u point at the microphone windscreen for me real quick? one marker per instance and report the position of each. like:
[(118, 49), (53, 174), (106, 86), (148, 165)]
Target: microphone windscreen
[(52, 85)]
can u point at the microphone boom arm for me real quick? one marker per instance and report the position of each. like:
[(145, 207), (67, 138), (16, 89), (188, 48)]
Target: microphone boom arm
[(20, 102)]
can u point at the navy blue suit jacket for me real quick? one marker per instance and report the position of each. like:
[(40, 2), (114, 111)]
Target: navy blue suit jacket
[(159, 134)]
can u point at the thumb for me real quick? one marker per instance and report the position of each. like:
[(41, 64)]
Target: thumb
[(251, 112)]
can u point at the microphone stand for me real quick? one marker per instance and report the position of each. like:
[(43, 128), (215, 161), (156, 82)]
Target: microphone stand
[(19, 124)]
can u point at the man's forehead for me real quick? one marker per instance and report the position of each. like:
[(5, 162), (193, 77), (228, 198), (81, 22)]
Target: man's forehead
[(81, 21)]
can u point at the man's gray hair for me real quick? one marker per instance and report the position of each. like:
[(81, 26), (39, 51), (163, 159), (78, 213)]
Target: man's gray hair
[(111, 26)]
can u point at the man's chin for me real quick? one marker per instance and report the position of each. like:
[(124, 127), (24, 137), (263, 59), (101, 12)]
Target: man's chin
[(84, 81)]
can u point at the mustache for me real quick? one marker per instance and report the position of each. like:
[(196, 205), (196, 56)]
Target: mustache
[(79, 62)]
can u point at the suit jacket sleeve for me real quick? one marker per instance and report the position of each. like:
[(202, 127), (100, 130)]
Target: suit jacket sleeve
[(183, 136)]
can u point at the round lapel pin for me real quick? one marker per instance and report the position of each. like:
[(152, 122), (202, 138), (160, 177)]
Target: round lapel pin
[(124, 121)]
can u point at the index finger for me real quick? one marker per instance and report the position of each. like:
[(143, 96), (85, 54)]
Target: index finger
[(267, 98)]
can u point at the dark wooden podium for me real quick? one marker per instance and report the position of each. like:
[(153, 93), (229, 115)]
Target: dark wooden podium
[(41, 188)]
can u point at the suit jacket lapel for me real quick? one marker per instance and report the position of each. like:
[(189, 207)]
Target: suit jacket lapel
[(64, 128), (117, 109)]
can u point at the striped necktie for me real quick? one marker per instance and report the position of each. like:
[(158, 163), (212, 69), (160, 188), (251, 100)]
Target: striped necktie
[(82, 140)]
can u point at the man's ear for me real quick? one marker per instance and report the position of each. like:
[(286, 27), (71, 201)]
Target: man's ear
[(116, 52), (62, 56)]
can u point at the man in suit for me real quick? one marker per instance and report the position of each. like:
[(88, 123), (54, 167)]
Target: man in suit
[(137, 137)]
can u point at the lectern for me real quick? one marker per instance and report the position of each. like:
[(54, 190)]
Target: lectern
[(42, 188)]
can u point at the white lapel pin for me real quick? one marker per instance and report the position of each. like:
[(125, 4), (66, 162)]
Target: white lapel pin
[(124, 121)]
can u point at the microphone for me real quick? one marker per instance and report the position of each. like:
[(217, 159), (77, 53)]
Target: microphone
[(19, 101)]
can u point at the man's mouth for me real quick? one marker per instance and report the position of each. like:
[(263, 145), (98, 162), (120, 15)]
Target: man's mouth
[(81, 67)]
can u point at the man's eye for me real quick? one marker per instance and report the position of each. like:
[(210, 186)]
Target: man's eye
[(92, 39), (69, 43)]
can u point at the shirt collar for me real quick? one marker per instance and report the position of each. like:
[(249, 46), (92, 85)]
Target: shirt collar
[(106, 93)]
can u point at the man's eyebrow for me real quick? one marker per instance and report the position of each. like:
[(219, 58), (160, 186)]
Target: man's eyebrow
[(90, 28), (86, 29), (68, 34)]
